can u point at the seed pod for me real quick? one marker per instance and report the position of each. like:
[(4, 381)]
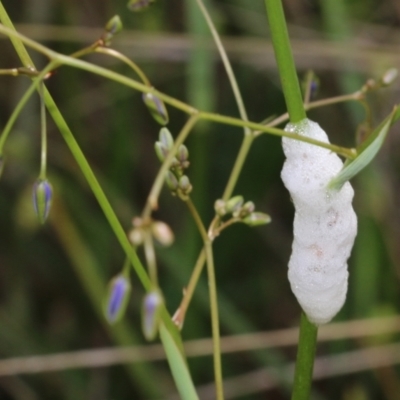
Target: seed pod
[(325, 224), (156, 107), (117, 298), (151, 309), (163, 233), (257, 218), (42, 196)]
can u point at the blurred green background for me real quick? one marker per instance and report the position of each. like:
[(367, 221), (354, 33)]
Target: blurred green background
[(53, 277)]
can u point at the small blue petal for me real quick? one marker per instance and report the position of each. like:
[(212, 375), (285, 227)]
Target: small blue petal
[(151, 314), (117, 300), (42, 196)]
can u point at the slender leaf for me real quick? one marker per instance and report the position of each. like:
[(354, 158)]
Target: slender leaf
[(366, 152), (178, 366)]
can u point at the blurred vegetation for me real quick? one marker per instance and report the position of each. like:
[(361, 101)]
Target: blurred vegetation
[(51, 277)]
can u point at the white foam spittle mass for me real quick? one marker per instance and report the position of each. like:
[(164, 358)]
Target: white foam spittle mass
[(325, 224)]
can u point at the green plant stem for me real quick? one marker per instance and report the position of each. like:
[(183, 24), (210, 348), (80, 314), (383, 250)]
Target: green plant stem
[(239, 162), (214, 320), (150, 258), (18, 42), (179, 316), (116, 54), (197, 219), (213, 300), (227, 64), (305, 359), (356, 96), (43, 155), (284, 59), (60, 59), (294, 104), (21, 104)]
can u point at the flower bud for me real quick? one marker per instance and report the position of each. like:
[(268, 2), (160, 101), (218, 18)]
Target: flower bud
[(117, 298), (166, 138), (183, 154), (42, 196), (156, 107), (185, 185), (389, 76), (234, 203), (163, 233), (151, 309), (220, 207), (257, 218), (139, 5), (171, 181), (161, 151), (136, 236), (248, 207), (114, 25)]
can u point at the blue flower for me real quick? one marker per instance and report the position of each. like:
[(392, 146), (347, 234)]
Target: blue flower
[(42, 195), (117, 299)]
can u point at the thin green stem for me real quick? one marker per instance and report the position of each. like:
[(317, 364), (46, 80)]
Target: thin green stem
[(237, 168), (305, 359), (85, 168), (227, 64), (18, 42), (213, 300), (43, 153), (87, 50), (150, 256), (197, 219), (116, 54), (348, 153), (21, 104), (214, 320), (76, 63), (284, 59), (179, 316)]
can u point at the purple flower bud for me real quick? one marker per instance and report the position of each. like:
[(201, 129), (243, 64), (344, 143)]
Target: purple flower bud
[(151, 314), (161, 151), (113, 26), (117, 299), (42, 196), (166, 138), (156, 107)]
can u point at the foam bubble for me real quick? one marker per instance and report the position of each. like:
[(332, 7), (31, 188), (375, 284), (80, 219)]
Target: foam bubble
[(325, 224)]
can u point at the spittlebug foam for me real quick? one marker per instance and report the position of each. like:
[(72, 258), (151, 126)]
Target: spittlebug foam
[(325, 224)]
